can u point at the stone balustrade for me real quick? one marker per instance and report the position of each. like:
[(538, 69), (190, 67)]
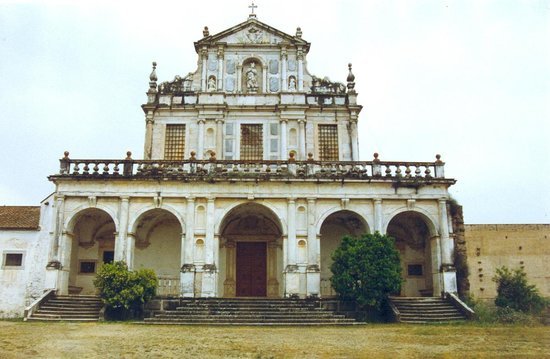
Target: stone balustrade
[(213, 169)]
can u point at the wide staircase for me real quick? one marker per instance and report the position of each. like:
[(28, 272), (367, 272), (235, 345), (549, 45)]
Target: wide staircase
[(81, 308), (426, 310), (225, 311)]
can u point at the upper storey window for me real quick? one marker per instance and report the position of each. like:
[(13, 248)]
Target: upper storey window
[(328, 142), (252, 142), (174, 142)]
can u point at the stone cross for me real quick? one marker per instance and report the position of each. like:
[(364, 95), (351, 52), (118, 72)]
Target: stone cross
[(252, 7)]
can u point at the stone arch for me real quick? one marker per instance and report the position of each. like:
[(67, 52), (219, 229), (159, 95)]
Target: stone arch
[(90, 242), (334, 225), (250, 252), (428, 218), (333, 210), (267, 205), (252, 75), (414, 235), (71, 220), (133, 222), (157, 245)]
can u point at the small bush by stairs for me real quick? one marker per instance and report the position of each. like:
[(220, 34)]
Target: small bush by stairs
[(426, 310), (82, 308), (237, 311)]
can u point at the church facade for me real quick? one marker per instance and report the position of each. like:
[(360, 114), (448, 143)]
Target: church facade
[(250, 177)]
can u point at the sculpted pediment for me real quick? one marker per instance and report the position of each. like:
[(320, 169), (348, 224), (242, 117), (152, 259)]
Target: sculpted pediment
[(252, 32)]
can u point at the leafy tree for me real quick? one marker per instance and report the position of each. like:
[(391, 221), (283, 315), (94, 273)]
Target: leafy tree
[(513, 291), (122, 289), (366, 269)]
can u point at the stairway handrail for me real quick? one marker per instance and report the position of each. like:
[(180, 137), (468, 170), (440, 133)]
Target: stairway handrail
[(34, 305), (460, 305), (395, 312)]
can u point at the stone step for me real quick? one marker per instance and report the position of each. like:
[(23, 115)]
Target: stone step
[(64, 315), (56, 311), (252, 316), (62, 319), (430, 315), (426, 310), (271, 309), (73, 305), (244, 320), (69, 307)]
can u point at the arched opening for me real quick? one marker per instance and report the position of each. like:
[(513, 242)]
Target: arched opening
[(412, 238), (250, 253), (92, 245), (334, 228), (158, 246)]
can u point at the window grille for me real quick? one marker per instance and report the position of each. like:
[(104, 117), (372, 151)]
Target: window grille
[(174, 145), (251, 142), (328, 143)]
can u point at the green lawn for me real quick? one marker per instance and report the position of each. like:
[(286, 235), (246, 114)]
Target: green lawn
[(106, 340)]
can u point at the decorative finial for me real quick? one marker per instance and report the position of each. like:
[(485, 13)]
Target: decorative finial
[(299, 32), (66, 153), (252, 7), (205, 32), (153, 76), (350, 79), (128, 155)]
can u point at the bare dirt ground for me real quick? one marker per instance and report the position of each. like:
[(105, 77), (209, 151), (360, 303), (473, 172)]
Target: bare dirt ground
[(125, 340)]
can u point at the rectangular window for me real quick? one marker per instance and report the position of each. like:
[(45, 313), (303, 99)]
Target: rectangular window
[(108, 257), (252, 142), (13, 260), (328, 143), (414, 270), (174, 143), (87, 267)]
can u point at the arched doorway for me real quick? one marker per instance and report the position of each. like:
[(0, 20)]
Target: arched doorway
[(334, 227), (412, 238), (250, 252), (93, 244), (157, 235)]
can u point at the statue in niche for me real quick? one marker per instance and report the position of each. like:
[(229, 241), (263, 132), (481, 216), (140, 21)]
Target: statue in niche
[(292, 83), (252, 78), (212, 84)]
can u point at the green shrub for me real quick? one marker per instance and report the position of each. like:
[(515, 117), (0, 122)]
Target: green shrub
[(122, 289), (513, 291), (366, 270)]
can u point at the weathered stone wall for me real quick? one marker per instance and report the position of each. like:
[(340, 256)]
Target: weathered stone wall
[(490, 246)]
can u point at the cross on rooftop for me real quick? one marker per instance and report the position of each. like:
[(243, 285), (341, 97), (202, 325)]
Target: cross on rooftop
[(252, 7)]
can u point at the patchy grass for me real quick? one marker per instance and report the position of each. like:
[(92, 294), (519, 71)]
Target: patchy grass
[(90, 340)]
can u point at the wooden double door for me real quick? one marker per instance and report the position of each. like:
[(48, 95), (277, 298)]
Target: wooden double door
[(251, 269)]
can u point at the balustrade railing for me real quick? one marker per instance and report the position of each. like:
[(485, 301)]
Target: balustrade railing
[(212, 169)]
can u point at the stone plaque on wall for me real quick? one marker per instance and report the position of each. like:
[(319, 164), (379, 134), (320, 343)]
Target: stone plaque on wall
[(212, 65), (291, 65), (273, 84), (274, 67), (229, 84), (231, 67)]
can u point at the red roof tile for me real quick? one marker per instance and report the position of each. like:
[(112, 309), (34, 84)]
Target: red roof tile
[(19, 217)]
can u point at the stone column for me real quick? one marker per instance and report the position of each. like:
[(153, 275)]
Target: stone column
[(229, 285), (313, 271), (447, 247), (210, 271), (301, 139), (121, 246), (65, 249), (378, 216), (187, 278), (220, 68), (200, 140), (435, 251), (264, 80), (292, 275), (272, 282), (240, 78), (148, 150), (284, 149), (219, 138), (284, 60), (58, 220), (131, 246), (354, 140), (300, 56), (204, 56)]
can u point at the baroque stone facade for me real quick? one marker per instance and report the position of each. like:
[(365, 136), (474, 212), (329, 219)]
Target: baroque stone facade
[(250, 178)]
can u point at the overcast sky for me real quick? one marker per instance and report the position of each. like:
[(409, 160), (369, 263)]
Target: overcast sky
[(467, 79)]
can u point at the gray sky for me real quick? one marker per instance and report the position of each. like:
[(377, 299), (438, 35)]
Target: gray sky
[(467, 79)]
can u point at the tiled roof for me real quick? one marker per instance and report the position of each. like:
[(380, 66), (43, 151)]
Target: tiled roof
[(19, 217)]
